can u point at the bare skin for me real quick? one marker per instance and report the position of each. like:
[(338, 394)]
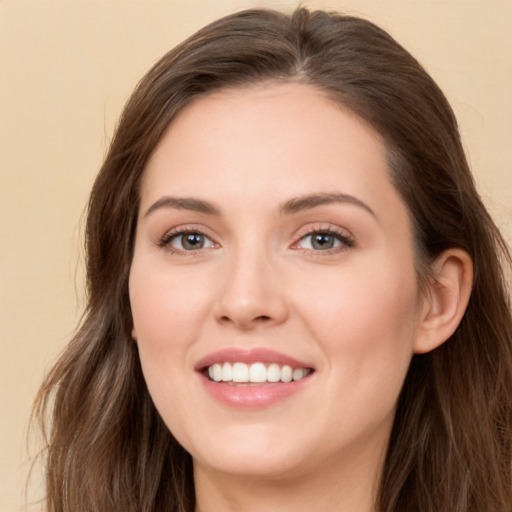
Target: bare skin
[(268, 222)]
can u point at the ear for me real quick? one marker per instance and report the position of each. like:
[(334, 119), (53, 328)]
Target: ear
[(446, 299), (134, 334)]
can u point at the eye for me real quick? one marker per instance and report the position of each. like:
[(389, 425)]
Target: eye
[(324, 240), (187, 241), (320, 241)]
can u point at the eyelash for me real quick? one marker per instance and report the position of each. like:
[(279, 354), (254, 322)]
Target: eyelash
[(168, 238), (346, 241)]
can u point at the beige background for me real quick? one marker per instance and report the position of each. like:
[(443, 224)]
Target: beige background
[(66, 68)]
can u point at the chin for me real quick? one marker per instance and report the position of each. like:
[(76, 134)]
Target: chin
[(257, 452), (249, 464)]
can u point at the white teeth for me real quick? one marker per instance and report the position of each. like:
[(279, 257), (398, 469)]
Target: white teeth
[(256, 372), (240, 372), (227, 372), (299, 373), (215, 372), (273, 373), (286, 373)]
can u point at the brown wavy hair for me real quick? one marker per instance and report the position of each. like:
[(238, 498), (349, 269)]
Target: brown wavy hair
[(451, 445)]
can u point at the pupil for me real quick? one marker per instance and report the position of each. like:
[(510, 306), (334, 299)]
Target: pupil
[(323, 241), (193, 241)]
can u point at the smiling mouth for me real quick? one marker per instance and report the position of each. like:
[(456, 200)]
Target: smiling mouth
[(255, 373)]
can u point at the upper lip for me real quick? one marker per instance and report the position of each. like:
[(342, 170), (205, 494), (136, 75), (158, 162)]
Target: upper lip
[(249, 356)]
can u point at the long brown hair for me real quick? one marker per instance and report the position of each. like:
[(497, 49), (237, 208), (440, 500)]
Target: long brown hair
[(451, 444)]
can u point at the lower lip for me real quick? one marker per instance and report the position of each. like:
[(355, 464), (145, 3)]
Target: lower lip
[(252, 395)]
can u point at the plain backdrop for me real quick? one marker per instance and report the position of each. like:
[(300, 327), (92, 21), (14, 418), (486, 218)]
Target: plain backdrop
[(67, 68)]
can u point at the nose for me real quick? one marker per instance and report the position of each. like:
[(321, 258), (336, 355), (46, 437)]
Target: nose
[(251, 294)]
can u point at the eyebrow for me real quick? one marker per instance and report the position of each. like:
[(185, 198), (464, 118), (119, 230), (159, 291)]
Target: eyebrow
[(294, 205), (313, 200), (184, 203)]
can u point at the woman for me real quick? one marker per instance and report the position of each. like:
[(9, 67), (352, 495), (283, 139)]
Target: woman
[(296, 297)]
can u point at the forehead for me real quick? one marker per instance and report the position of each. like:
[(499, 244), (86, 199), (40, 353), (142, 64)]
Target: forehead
[(269, 140), (270, 113)]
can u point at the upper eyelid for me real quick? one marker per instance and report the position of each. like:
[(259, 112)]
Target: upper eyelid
[(319, 227), (188, 228), (183, 229)]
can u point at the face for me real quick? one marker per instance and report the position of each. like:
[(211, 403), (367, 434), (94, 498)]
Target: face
[(273, 290)]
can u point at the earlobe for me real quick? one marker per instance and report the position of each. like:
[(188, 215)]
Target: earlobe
[(446, 300), (134, 334)]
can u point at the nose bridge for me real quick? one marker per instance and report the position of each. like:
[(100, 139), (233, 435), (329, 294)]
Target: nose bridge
[(250, 293)]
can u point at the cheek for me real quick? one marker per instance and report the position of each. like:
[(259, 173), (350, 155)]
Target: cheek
[(359, 300), (167, 312), (365, 321), (165, 306)]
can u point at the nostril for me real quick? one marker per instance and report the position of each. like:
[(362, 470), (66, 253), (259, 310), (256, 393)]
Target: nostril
[(257, 319)]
